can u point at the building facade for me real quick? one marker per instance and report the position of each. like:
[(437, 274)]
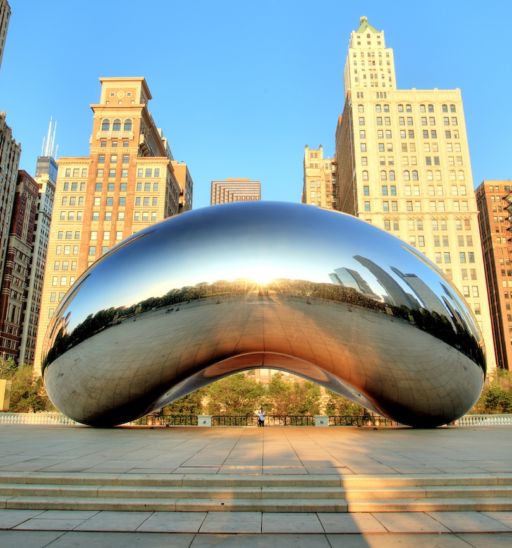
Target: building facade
[(235, 190), (403, 164), (494, 200), (9, 160), (5, 14), (46, 179), (125, 184), (185, 183), (319, 179), (17, 266)]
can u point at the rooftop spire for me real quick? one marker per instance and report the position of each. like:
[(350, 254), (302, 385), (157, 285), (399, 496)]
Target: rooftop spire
[(365, 26), (49, 147)]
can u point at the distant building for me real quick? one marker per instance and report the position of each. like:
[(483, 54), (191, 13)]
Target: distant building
[(403, 164), (319, 179), (46, 178), (494, 201), (17, 265), (185, 183), (125, 184), (5, 14), (235, 190), (9, 160)]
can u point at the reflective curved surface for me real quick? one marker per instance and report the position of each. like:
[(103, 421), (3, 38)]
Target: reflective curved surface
[(263, 284)]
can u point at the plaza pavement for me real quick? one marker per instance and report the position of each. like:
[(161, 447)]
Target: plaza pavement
[(252, 451)]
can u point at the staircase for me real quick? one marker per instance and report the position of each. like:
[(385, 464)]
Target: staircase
[(260, 493)]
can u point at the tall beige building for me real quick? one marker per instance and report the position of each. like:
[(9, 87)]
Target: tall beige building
[(125, 184), (235, 190), (319, 179), (5, 14), (403, 164)]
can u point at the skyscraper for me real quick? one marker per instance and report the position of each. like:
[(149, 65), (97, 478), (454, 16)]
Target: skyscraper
[(5, 14), (9, 159), (17, 265), (235, 190), (46, 178), (403, 164), (185, 183), (494, 199), (125, 184), (319, 178)]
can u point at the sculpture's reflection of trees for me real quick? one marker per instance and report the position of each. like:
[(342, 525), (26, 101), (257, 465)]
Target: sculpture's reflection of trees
[(448, 329)]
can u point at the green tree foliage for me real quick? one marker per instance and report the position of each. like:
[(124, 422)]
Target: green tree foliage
[(339, 405), (496, 396), (27, 393), (237, 394), (191, 404)]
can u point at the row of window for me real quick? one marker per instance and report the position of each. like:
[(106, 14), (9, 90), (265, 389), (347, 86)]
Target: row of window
[(73, 187), (75, 172), (106, 235), (408, 108), (62, 280), (116, 124), (114, 143), (409, 120)]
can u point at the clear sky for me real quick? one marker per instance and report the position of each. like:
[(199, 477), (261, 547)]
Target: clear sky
[(240, 87)]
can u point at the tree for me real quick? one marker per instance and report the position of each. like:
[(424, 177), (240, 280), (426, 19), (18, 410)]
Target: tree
[(278, 394), (304, 398), (27, 393), (496, 396), (191, 404), (238, 394), (339, 405)]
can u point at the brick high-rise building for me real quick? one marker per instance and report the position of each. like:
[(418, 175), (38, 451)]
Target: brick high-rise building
[(46, 178), (9, 160), (125, 184), (5, 14), (17, 265), (403, 164), (235, 190), (185, 183), (319, 178), (494, 200)]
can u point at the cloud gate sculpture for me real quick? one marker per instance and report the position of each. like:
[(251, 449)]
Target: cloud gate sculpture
[(263, 284)]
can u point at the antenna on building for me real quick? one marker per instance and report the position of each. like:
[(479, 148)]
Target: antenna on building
[(49, 147)]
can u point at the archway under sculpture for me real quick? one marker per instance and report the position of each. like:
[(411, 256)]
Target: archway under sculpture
[(227, 288)]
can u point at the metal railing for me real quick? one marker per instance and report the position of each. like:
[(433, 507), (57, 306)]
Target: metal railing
[(360, 420), (484, 420), (55, 418)]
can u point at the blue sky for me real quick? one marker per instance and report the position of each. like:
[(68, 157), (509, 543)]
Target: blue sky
[(240, 87)]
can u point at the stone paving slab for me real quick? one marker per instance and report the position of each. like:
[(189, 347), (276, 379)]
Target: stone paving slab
[(281, 450), (43, 539)]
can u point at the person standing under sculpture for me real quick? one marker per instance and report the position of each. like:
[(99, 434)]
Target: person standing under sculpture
[(261, 417)]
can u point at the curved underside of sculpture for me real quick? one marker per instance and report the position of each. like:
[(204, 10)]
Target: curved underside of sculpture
[(218, 290)]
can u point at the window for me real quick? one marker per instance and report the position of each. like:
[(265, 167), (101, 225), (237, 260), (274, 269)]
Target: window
[(365, 175), (110, 201), (110, 187), (361, 120), (155, 185), (120, 215), (383, 176), (113, 158), (94, 235), (108, 215), (98, 187), (367, 206), (122, 187), (128, 125), (116, 125), (362, 147), (92, 250), (105, 125), (406, 175), (101, 158), (122, 201), (119, 235), (366, 190)]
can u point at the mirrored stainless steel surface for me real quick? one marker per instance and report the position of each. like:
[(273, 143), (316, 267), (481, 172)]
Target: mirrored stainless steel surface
[(263, 284)]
